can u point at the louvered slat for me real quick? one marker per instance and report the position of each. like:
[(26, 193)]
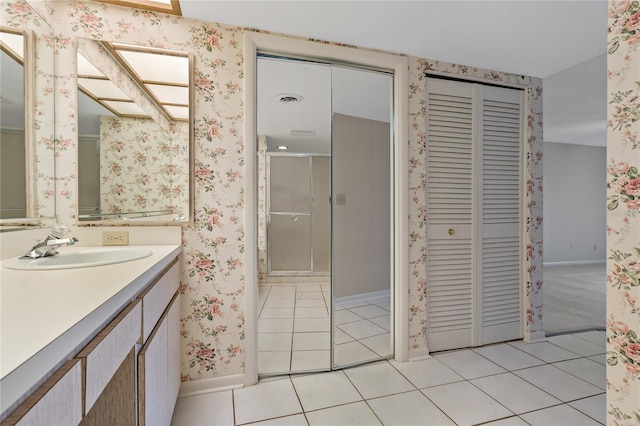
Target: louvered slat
[(500, 264), (500, 161), (449, 158)]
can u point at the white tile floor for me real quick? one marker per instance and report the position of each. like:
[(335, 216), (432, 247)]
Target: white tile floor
[(559, 382), (294, 329)]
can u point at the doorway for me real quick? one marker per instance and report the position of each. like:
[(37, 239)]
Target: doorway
[(254, 42), (324, 171), (474, 214)]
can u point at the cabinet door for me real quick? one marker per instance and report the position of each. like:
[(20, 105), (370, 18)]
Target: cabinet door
[(157, 296), (104, 355), (159, 370), (173, 355), (116, 405), (57, 401)]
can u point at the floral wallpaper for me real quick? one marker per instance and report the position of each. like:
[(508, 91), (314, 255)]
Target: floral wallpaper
[(142, 167), (623, 220), (213, 271), (212, 281), (20, 15)]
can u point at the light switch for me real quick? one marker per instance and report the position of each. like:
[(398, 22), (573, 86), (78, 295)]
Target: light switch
[(341, 199)]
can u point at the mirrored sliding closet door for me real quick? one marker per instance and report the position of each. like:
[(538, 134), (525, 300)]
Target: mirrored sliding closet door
[(324, 216)]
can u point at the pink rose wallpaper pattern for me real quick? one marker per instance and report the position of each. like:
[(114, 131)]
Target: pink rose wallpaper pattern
[(623, 220), (141, 167), (212, 282)]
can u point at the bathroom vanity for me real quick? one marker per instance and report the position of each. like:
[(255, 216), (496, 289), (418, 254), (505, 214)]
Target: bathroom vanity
[(93, 345)]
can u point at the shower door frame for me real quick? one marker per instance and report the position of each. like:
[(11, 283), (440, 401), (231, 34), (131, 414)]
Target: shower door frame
[(398, 65)]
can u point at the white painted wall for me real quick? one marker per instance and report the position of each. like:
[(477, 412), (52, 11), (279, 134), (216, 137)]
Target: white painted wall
[(574, 203), (575, 104), (361, 218)]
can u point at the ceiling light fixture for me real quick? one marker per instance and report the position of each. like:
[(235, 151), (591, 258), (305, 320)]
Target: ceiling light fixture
[(283, 147), (288, 98)]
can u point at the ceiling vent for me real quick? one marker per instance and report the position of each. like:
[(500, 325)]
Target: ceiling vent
[(288, 98)]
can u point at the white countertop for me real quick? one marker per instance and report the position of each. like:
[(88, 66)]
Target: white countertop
[(46, 317)]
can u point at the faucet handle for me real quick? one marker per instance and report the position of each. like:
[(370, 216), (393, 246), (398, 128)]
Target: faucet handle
[(60, 230)]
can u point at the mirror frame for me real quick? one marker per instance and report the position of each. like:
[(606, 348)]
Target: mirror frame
[(31, 219), (123, 219)]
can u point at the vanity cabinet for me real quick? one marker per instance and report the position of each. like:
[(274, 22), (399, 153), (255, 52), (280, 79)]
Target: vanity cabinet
[(128, 373)]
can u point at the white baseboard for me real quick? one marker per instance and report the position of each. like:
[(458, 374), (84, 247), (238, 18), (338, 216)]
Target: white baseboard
[(575, 262), (536, 337), (418, 354), (216, 384)]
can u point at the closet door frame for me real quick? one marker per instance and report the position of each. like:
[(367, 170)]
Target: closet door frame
[(399, 65), (477, 337)]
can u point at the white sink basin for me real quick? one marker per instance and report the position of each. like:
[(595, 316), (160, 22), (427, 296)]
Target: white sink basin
[(83, 258)]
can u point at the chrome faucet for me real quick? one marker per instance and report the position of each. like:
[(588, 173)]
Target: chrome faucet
[(49, 246)]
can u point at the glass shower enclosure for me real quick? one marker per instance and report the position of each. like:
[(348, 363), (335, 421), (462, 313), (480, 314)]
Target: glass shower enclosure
[(299, 214)]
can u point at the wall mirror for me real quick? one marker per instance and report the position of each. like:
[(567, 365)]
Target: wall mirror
[(134, 133), (26, 127)]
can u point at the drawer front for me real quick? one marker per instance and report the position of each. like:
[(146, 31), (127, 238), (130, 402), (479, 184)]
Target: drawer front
[(58, 401), (156, 298), (104, 354)]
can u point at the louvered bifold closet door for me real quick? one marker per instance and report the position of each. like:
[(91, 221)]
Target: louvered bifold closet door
[(449, 214), (500, 139)]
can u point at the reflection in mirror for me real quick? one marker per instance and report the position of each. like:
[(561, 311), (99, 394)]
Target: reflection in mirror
[(134, 136), (13, 199), (294, 218), (325, 218)]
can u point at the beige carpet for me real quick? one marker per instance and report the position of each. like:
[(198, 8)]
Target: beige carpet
[(574, 298)]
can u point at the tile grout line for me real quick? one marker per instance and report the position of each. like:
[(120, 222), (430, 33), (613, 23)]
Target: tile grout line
[(518, 415), (366, 401), (550, 363), (532, 384)]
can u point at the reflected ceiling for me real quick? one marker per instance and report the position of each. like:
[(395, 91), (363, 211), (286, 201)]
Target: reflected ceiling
[(163, 75), (13, 44), (296, 100)]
